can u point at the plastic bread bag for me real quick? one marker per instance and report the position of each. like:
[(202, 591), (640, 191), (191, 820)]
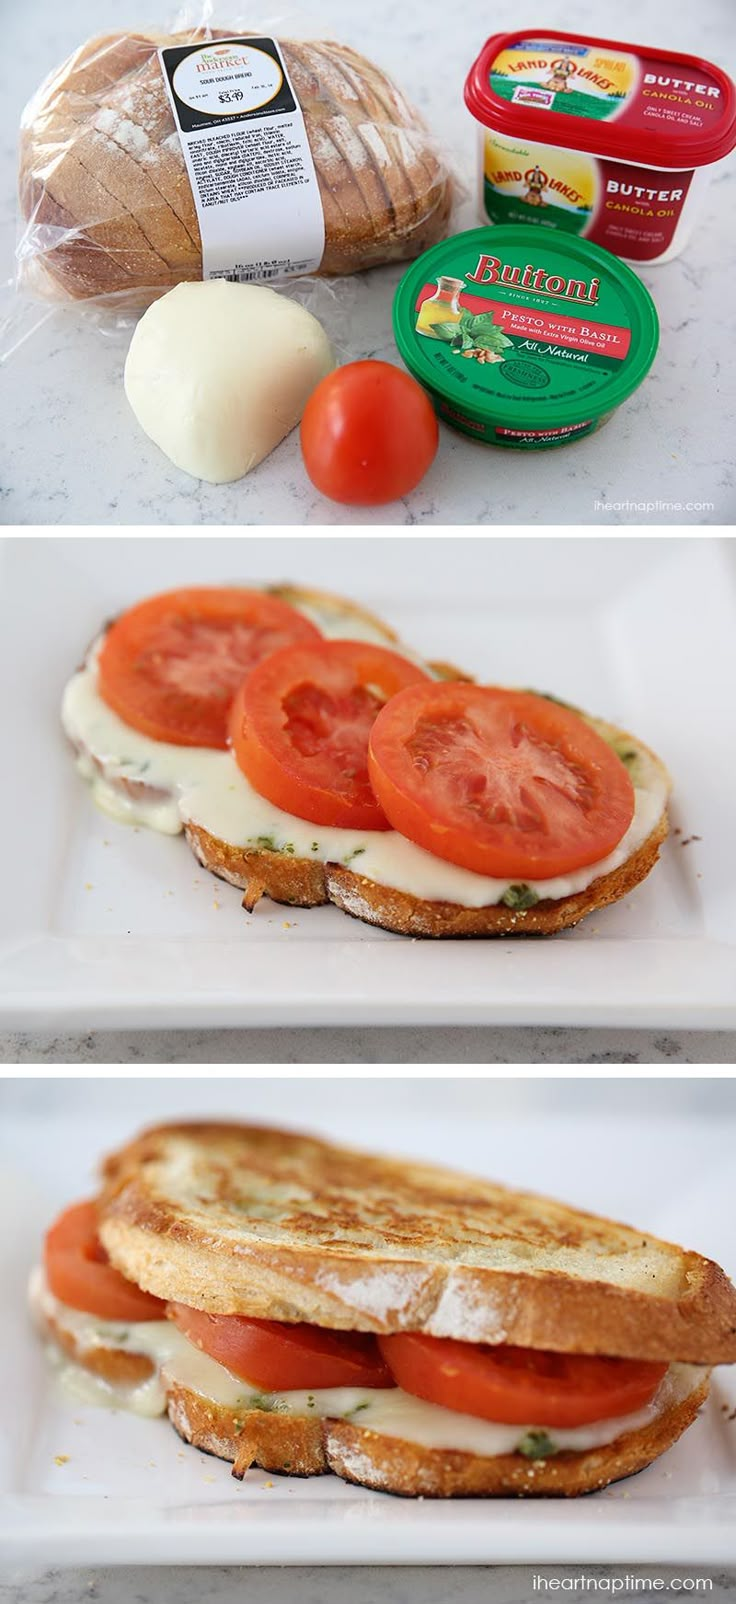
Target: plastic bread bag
[(108, 214)]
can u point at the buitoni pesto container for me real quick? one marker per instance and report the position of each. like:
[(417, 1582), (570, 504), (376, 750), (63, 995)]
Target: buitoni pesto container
[(612, 141), (523, 337)]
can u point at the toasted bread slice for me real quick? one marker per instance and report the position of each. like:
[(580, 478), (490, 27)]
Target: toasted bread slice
[(306, 1447), (293, 1445), (407, 915), (390, 1465), (301, 883), (329, 611), (240, 1219), (306, 883)]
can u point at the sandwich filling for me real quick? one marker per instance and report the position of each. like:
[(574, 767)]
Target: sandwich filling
[(390, 1410), (142, 780)]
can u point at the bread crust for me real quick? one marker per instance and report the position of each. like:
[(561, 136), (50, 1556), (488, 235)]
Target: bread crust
[(300, 882), (393, 1466), (300, 1447), (104, 189), (293, 1446), (298, 1229), (329, 606), (305, 884)]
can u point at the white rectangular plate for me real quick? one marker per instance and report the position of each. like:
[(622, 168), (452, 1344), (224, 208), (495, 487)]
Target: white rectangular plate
[(81, 1486), (103, 926)]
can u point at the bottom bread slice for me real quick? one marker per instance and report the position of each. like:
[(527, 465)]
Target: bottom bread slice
[(297, 1446), (301, 883)]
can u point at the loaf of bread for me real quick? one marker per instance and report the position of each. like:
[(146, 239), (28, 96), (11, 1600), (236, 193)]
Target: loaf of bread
[(104, 192)]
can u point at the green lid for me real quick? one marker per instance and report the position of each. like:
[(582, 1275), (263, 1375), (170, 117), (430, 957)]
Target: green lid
[(529, 331)]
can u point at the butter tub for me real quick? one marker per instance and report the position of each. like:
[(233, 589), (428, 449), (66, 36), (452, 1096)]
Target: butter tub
[(524, 338), (614, 142)]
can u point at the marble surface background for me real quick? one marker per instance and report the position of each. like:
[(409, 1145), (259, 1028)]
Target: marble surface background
[(504, 1584), (517, 1045), (71, 452)]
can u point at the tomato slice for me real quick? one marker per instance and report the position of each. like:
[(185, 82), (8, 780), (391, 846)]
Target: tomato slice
[(79, 1275), (171, 666), (284, 1358), (300, 724), (519, 1386), (502, 782)]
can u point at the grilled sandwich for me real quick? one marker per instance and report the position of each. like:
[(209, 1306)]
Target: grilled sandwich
[(306, 1308)]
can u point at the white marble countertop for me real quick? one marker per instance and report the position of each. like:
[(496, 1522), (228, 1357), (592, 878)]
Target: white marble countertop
[(72, 452), (375, 1045), (504, 1584)]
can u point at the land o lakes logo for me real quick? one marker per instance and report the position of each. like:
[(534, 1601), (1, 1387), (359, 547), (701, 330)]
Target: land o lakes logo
[(534, 181)]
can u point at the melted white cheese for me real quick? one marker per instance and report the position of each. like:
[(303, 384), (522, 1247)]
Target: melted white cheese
[(140, 781), (146, 1398), (156, 1340), (387, 1410)]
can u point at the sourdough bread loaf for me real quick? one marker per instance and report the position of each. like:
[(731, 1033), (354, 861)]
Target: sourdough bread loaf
[(105, 196)]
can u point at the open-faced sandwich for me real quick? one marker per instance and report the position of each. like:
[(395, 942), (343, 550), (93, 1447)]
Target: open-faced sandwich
[(307, 1308), (309, 757)]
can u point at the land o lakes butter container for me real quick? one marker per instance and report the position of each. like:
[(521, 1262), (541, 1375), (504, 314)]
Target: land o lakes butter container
[(612, 141), (523, 337)]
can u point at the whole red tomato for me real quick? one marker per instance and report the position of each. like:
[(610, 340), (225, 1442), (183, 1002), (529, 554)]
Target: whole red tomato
[(369, 434)]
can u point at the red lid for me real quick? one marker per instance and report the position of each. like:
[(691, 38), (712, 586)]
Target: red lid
[(654, 107)]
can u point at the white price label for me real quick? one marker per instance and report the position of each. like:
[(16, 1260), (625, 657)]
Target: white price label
[(248, 159)]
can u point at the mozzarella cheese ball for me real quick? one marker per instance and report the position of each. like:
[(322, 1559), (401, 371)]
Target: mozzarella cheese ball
[(218, 374)]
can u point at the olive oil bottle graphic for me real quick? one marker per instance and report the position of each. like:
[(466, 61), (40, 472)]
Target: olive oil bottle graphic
[(442, 307)]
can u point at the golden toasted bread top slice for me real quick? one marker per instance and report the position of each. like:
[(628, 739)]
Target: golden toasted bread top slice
[(240, 1219)]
